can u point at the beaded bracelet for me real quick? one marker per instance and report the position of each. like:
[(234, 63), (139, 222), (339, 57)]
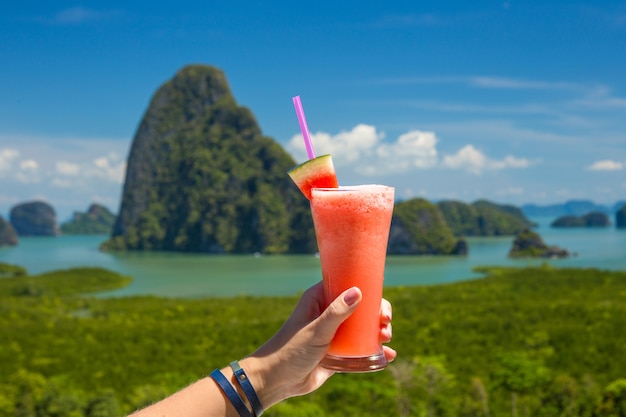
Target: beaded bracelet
[(230, 393), (248, 389)]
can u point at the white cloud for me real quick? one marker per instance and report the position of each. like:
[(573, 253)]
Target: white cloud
[(472, 160), (364, 150), (415, 149), (29, 165), (109, 168), (606, 165), (468, 158), (67, 168), (28, 172), (510, 162), (67, 171), (513, 83), (6, 158), (346, 146)]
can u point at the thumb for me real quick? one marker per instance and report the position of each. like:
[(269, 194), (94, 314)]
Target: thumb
[(336, 313)]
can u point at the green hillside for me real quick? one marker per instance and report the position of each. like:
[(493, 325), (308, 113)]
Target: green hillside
[(537, 342), (97, 220), (483, 218)]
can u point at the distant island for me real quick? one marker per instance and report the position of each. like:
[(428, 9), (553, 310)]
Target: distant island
[(97, 220), (418, 227), (572, 207), (529, 244), (34, 218), (483, 218), (8, 237), (201, 177), (593, 219)]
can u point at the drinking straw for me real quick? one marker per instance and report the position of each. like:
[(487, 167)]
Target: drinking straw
[(297, 103)]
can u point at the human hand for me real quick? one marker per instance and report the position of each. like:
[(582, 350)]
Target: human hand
[(289, 363)]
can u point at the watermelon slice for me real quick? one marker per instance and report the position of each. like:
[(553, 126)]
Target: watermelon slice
[(315, 173)]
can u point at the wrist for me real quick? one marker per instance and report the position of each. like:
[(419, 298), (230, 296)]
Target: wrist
[(260, 373)]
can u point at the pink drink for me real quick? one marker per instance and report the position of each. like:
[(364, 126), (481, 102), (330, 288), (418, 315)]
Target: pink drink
[(352, 229)]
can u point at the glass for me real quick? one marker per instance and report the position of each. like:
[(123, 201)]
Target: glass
[(352, 229)]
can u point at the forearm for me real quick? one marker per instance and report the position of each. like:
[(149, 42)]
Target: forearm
[(204, 398)]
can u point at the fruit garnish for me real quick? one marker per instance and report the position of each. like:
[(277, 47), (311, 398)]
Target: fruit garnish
[(315, 173)]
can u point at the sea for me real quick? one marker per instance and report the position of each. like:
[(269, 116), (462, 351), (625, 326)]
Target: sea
[(202, 275)]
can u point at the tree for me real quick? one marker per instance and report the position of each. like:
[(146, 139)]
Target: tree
[(29, 389), (403, 372), (561, 397), (475, 403), (521, 376), (434, 380), (104, 405), (614, 400)]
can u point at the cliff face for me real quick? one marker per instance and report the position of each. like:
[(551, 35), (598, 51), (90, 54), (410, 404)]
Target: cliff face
[(483, 218), (201, 177), (34, 219), (8, 237), (418, 228), (96, 220)]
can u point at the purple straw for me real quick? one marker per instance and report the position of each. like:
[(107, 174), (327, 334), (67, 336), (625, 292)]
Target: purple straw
[(303, 127)]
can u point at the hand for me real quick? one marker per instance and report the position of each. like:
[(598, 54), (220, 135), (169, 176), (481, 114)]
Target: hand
[(286, 366), (289, 362)]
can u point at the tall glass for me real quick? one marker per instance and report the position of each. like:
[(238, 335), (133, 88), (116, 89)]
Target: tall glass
[(352, 230)]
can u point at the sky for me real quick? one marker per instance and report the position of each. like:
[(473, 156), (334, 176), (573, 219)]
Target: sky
[(514, 102)]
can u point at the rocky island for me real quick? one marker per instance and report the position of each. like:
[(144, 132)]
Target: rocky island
[(202, 177), (529, 244), (8, 237), (35, 218), (483, 218), (419, 228), (97, 220), (593, 219)]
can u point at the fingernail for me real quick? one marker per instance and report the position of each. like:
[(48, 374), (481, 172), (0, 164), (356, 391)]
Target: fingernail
[(351, 296)]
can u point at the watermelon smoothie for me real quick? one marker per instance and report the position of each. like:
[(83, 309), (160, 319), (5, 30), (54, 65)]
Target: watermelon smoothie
[(352, 230)]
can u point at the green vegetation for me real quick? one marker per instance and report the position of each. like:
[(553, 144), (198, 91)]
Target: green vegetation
[(202, 178), (98, 220), (483, 218), (568, 221), (593, 219), (418, 227), (529, 244), (528, 342), (9, 270)]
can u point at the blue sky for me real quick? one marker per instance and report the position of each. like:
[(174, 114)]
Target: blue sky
[(516, 102)]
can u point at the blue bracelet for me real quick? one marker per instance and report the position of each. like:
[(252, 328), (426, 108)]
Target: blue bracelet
[(248, 389), (230, 392)]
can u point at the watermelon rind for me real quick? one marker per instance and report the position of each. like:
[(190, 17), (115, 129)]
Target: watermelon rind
[(318, 172)]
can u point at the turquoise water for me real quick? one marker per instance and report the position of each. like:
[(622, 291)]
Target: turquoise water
[(195, 275)]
